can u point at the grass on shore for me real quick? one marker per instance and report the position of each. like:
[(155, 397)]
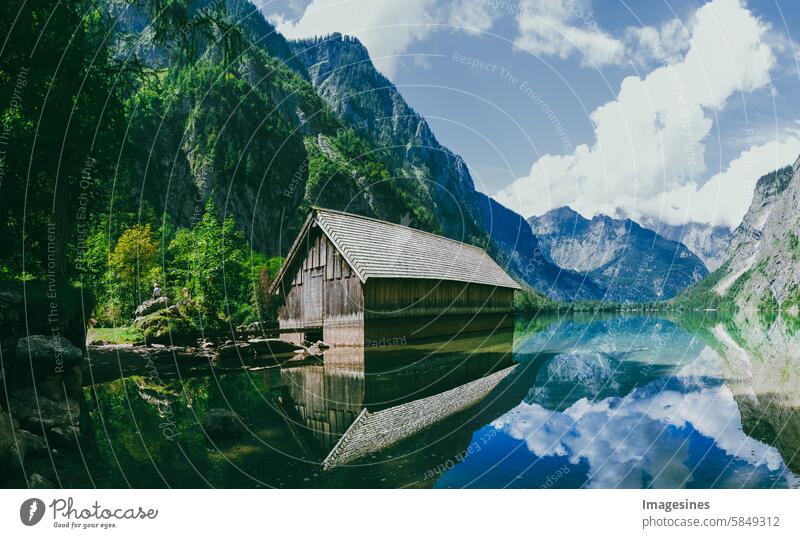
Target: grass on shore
[(124, 334)]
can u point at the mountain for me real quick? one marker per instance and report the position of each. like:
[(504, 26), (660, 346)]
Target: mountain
[(627, 262), (239, 121), (709, 243), (763, 267), (518, 249), (342, 73)]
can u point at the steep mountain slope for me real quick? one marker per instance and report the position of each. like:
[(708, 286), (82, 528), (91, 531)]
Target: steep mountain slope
[(763, 268), (628, 262), (709, 243), (343, 74), (233, 122)]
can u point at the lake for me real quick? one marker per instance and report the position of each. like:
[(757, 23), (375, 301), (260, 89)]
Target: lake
[(597, 401)]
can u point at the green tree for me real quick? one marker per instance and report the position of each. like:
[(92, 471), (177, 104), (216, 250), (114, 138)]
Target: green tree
[(210, 260), (132, 267)]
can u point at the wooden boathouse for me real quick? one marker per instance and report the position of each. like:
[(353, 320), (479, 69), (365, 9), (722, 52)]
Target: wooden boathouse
[(355, 280)]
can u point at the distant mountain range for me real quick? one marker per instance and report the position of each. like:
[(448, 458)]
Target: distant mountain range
[(627, 262)]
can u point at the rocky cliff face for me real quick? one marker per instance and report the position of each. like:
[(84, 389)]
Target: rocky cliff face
[(342, 72), (709, 243), (628, 262), (763, 268)]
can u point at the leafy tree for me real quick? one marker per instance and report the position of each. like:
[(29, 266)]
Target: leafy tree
[(264, 272), (132, 267), (210, 260)]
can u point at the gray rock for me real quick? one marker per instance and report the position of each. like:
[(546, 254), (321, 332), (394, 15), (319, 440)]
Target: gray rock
[(222, 424), (60, 420), (51, 363), (48, 354), (765, 248), (273, 346), (34, 444), (152, 305)]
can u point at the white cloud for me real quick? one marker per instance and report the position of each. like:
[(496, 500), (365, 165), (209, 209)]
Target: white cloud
[(472, 16), (666, 44), (386, 27), (649, 147), (563, 28), (724, 199)]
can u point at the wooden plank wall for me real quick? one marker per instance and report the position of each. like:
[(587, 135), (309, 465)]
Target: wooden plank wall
[(324, 288), (397, 298), (327, 401)]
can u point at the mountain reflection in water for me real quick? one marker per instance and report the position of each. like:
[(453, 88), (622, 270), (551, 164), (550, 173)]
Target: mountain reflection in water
[(594, 401)]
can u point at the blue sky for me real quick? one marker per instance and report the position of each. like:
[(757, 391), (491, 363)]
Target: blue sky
[(658, 110)]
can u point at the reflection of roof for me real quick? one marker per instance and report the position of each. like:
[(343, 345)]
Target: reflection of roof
[(380, 249), (372, 432)]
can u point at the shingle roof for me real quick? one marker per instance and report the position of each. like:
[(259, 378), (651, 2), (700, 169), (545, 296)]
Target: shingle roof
[(379, 249)]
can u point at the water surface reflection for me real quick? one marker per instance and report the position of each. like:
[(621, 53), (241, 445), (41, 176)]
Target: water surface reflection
[(592, 401)]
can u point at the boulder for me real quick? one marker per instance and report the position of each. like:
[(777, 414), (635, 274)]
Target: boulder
[(222, 424), (38, 308), (173, 325), (273, 346), (48, 355), (52, 363), (59, 420), (34, 444), (150, 306)]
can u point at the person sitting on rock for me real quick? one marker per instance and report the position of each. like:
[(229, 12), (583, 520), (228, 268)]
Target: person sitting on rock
[(156, 291)]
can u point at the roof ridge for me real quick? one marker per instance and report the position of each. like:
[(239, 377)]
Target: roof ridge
[(438, 236)]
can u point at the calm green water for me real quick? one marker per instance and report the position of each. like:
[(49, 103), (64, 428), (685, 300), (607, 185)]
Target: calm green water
[(593, 402)]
